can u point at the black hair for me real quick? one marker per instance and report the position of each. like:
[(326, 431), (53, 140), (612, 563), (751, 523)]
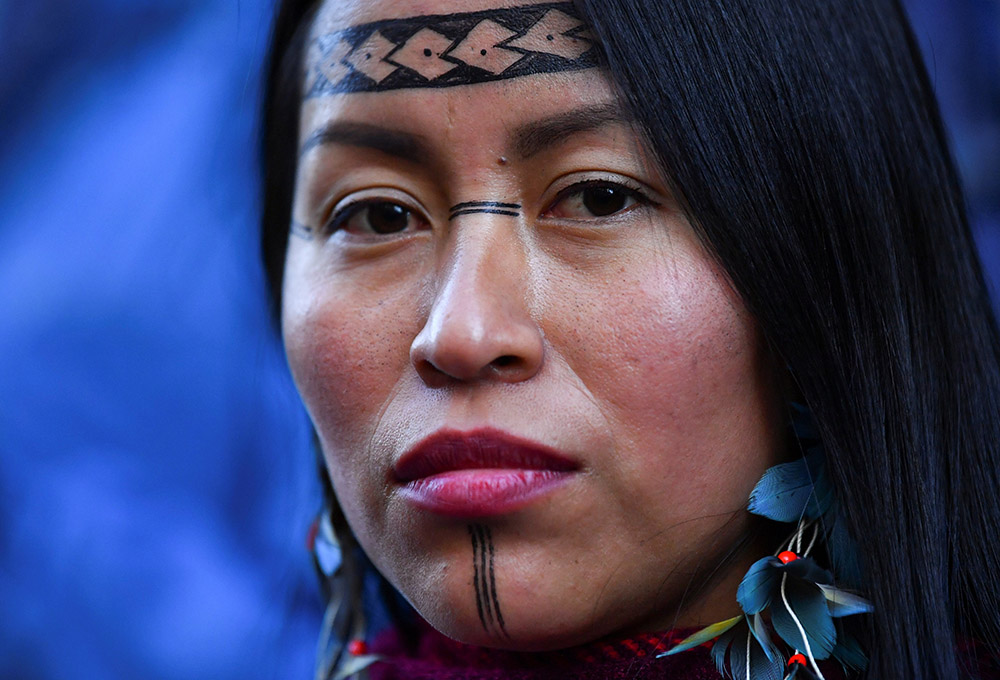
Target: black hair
[(805, 142)]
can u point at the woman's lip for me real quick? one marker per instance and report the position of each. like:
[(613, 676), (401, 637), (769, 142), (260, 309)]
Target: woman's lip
[(448, 450), (479, 473), (482, 492)]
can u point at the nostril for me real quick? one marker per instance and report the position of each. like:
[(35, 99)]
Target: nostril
[(505, 361)]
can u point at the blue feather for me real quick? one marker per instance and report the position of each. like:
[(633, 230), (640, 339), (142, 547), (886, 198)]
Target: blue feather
[(809, 606), (758, 586), (806, 569), (849, 652), (721, 647), (764, 639), (355, 664), (326, 549), (738, 655), (762, 665), (844, 603), (792, 491), (783, 492)]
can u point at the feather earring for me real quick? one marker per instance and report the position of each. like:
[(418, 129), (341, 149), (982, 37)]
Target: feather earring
[(803, 602), (344, 619)]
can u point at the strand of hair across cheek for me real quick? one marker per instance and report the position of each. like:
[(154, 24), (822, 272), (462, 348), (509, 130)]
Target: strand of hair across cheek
[(484, 580)]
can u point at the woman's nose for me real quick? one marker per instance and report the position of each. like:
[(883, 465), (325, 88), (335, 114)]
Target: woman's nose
[(479, 327)]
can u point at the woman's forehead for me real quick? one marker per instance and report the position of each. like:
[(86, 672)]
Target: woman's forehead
[(466, 79), (379, 46)]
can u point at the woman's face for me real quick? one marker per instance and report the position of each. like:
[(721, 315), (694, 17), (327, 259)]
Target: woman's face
[(541, 403)]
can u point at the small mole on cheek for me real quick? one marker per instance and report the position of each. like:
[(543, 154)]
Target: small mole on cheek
[(502, 160), (482, 52)]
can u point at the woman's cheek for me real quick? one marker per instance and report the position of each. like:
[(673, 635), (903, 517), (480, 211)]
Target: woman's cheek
[(328, 367), (675, 364), (656, 334), (348, 348), (343, 383)]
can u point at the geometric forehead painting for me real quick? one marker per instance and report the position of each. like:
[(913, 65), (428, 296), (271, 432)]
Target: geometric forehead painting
[(445, 50)]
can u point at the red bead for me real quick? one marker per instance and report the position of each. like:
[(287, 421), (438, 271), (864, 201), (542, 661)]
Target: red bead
[(357, 647), (787, 556), (798, 658), (311, 535)]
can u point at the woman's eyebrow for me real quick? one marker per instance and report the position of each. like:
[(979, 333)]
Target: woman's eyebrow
[(531, 138), (404, 145)]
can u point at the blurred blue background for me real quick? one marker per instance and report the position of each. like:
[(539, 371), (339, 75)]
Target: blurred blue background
[(156, 477)]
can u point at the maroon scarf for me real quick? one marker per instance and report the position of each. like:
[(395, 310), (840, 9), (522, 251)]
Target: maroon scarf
[(437, 657)]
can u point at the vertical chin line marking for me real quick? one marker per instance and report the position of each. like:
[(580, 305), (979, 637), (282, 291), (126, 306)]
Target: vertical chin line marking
[(484, 581)]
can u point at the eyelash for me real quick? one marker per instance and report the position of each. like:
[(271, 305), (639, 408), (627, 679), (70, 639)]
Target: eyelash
[(634, 193), (343, 215)]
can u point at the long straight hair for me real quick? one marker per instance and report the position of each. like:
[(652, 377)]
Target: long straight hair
[(805, 143)]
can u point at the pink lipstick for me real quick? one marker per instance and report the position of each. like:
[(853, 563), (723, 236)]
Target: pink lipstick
[(480, 473)]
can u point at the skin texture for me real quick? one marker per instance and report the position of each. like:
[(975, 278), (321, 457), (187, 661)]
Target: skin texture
[(614, 339)]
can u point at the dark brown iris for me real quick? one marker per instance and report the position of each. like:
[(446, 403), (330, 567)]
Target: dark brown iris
[(602, 201), (387, 218)]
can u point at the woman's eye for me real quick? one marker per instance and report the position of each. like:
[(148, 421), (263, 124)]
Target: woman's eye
[(594, 200), (375, 217)]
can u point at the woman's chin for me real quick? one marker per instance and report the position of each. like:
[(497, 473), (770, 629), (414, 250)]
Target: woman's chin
[(528, 637), (520, 627)]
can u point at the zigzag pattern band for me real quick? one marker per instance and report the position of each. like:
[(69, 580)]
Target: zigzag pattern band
[(449, 50)]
